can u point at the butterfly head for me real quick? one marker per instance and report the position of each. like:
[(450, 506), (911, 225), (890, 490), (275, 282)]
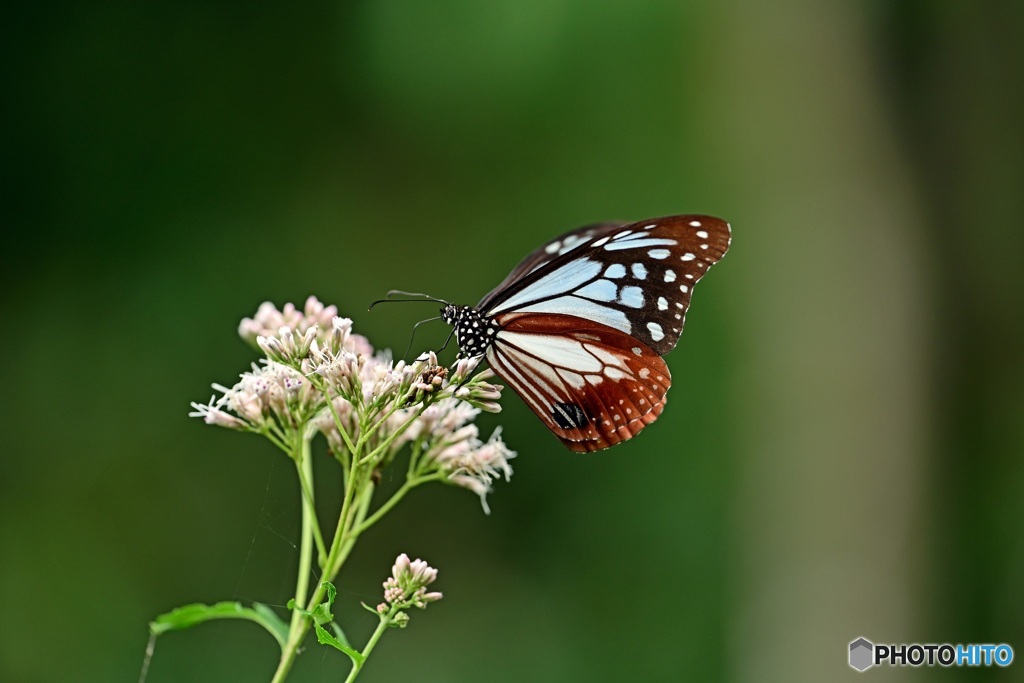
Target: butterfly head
[(474, 331)]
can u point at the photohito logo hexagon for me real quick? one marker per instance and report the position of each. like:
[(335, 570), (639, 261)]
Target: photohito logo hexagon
[(862, 653)]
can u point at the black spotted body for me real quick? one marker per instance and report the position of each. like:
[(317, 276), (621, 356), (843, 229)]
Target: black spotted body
[(474, 331)]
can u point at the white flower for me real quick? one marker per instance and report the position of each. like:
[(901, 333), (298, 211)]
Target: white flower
[(318, 373), (481, 393), (269, 391), (286, 347), (271, 323), (213, 415), (342, 370), (268, 319), (472, 463), (464, 367), (406, 587)]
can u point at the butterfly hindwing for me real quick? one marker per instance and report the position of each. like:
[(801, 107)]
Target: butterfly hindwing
[(635, 278), (592, 385)]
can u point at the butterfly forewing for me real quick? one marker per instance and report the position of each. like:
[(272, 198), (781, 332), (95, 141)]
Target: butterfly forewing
[(592, 385), (549, 251), (635, 278)]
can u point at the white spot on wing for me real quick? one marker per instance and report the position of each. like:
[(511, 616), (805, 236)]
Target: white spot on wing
[(688, 256), (637, 351), (615, 270), (703, 234), (604, 356), (639, 271), (560, 351), (632, 297), (659, 253), (581, 308), (599, 290), (568, 277), (614, 374), (600, 242), (645, 373), (695, 224), (662, 303), (670, 275), (657, 334), (636, 244), (553, 247), (684, 289), (570, 242), (572, 378)]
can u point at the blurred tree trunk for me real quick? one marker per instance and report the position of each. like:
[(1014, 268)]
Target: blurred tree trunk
[(955, 76), (828, 243)]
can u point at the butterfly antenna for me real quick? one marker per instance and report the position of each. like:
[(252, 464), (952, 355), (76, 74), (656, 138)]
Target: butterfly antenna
[(413, 335), (419, 297)]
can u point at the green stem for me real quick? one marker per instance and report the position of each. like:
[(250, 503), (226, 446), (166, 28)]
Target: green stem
[(357, 665), (276, 440), (322, 387), (384, 445), (305, 469), (340, 547), (370, 430), (299, 623), (409, 485), (352, 522)]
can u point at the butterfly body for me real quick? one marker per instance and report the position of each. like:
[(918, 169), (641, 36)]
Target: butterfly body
[(579, 326), (474, 331)]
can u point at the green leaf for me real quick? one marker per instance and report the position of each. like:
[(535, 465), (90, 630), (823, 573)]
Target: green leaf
[(339, 634), (271, 621), (324, 637), (188, 616), (322, 612)]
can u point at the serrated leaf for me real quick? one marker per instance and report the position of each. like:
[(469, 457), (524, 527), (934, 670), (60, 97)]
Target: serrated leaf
[(188, 616), (325, 638)]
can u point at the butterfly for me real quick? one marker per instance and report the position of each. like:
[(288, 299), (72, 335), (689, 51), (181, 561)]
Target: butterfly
[(578, 329)]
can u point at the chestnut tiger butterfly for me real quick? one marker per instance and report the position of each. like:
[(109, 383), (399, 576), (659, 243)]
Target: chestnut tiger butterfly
[(578, 329)]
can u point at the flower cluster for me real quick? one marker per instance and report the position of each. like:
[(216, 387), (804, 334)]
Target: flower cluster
[(451, 443), (317, 372), (407, 587), (271, 391)]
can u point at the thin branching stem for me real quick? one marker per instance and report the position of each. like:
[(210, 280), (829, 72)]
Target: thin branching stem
[(305, 470), (409, 485), (385, 622), (298, 626)]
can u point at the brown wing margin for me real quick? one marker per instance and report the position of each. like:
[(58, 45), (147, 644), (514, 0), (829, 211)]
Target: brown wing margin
[(592, 385)]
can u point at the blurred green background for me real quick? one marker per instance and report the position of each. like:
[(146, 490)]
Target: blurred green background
[(841, 453)]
